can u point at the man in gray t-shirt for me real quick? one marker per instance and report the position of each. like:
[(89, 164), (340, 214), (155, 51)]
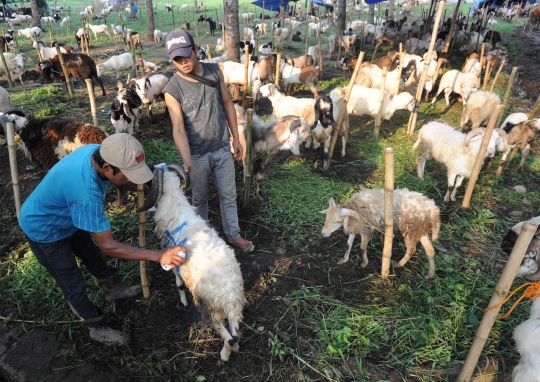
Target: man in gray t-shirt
[(204, 122)]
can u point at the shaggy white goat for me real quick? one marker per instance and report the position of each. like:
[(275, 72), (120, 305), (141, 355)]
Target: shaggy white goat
[(456, 150), (479, 107), (527, 338), (414, 216), (159, 36), (15, 64), (211, 272), (30, 33), (454, 81), (116, 64), (97, 29)]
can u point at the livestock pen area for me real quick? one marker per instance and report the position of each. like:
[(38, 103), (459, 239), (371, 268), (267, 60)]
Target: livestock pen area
[(307, 318)]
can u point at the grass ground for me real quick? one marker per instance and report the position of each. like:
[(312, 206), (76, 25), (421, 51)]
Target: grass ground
[(308, 318)]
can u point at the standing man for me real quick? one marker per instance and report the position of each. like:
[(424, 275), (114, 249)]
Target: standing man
[(203, 121), (66, 211)]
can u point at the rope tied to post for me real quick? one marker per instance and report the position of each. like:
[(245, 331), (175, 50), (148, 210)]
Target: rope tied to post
[(532, 292)]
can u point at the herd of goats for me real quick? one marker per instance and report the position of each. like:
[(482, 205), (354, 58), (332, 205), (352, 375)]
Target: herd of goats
[(215, 281)]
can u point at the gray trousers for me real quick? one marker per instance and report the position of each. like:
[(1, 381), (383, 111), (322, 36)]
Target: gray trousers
[(220, 166)]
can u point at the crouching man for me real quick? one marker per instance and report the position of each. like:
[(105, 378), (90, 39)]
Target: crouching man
[(65, 214)]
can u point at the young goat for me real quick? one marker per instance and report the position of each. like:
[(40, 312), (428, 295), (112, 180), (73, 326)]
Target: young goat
[(125, 110), (211, 272), (414, 216)]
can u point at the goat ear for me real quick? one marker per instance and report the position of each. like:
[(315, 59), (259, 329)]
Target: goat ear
[(331, 202), (324, 211)]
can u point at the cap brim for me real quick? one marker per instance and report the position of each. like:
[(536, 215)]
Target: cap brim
[(181, 52), (139, 175)]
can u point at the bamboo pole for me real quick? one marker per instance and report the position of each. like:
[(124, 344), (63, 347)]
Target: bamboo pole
[(8, 74), (503, 62), (306, 48), (375, 51), (278, 67), (486, 76), (50, 31), (246, 70), (197, 34), (400, 67), (414, 113), (319, 54), (507, 94), (388, 211), (174, 26), (535, 108), (92, 100), (209, 51), (247, 163), (481, 64), (343, 112), (480, 157), (377, 129), (142, 241), (12, 147), (66, 73), (499, 294), (205, 22)]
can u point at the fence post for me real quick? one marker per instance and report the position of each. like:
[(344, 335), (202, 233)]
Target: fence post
[(388, 210), (246, 72), (142, 241), (247, 164), (66, 73), (507, 94), (381, 103), (7, 69), (12, 146)]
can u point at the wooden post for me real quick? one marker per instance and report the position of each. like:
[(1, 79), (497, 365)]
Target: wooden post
[(142, 241), (92, 100), (247, 163), (7, 69), (246, 71), (507, 94), (12, 147), (388, 210), (66, 73), (481, 63), (452, 27), (414, 113), (197, 34), (319, 54), (534, 109), (375, 51), (486, 76), (209, 51), (499, 294), (343, 111), (305, 50), (278, 67), (400, 67), (503, 62), (256, 50), (205, 23), (174, 26), (82, 44), (480, 157), (381, 103)]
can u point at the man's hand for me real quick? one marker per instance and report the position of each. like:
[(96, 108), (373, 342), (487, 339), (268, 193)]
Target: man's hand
[(187, 167), (169, 256), (238, 150)]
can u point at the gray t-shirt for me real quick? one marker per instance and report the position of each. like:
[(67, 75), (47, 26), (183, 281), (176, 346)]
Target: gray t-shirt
[(202, 108)]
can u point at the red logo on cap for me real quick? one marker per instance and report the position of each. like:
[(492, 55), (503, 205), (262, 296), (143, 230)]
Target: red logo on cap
[(140, 158)]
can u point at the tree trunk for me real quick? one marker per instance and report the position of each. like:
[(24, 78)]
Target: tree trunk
[(132, 14), (232, 30), (150, 18), (36, 21), (195, 6), (371, 14), (391, 10), (341, 17)]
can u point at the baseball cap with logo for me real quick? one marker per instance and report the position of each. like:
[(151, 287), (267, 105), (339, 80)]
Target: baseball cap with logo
[(179, 44), (125, 152)]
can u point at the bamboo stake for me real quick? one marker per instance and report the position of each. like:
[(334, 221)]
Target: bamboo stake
[(92, 100), (319, 54), (209, 51), (66, 73), (499, 294), (246, 70), (306, 48), (247, 163), (414, 113), (375, 51), (142, 241), (534, 109), (486, 76), (400, 67), (174, 26), (50, 31), (343, 112), (507, 94), (480, 157), (278, 67), (7, 69), (452, 27), (10, 139), (388, 211), (481, 63), (205, 23), (503, 62), (381, 102), (197, 34)]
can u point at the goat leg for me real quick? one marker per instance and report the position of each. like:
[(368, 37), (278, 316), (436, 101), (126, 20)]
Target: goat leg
[(430, 253), (350, 241)]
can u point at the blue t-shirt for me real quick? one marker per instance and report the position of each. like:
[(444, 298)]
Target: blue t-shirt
[(70, 197)]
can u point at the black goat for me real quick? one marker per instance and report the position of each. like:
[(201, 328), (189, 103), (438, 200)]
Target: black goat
[(125, 111), (296, 37), (266, 17), (243, 46), (212, 24), (202, 18)]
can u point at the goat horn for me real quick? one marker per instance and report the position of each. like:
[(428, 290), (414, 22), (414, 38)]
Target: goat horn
[(155, 192), (473, 133), (349, 212), (504, 137), (179, 170)]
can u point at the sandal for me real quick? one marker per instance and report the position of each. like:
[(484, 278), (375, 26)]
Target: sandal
[(243, 244)]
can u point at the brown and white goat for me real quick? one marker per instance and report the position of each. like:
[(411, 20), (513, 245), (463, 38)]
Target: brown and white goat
[(414, 216), (78, 65), (308, 75), (286, 133)]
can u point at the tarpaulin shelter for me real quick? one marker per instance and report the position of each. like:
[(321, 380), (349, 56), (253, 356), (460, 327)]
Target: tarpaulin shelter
[(329, 4), (271, 5), (373, 1)]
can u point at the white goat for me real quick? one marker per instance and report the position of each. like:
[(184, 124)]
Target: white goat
[(454, 81), (527, 338), (149, 88), (211, 272), (308, 75), (31, 33), (480, 106), (456, 150), (414, 216), (116, 64), (97, 29), (46, 53), (15, 64), (65, 20), (159, 36)]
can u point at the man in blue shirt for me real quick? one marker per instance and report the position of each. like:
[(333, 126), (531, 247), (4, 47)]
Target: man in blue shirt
[(65, 214)]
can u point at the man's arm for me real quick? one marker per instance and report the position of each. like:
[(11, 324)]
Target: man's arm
[(231, 117), (167, 256), (179, 130)]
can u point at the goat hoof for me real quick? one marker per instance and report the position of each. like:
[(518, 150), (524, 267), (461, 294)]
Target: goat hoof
[(260, 197), (429, 276), (342, 261)]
